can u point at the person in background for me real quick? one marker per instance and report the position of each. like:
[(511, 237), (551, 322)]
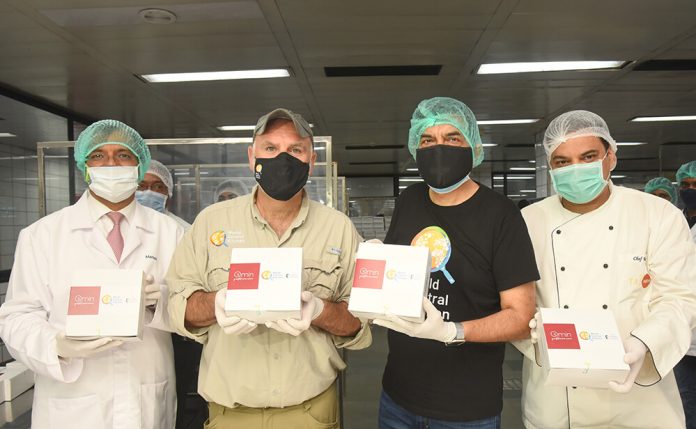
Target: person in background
[(229, 189), (685, 371), (609, 248), (283, 373), (156, 189), (686, 180), (662, 187), (100, 383), (446, 372)]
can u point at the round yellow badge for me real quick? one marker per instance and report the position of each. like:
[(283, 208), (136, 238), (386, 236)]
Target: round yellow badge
[(218, 238), (106, 299)]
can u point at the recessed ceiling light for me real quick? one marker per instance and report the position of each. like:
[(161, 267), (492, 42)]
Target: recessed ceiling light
[(507, 121), (528, 191), (410, 179), (663, 118), (532, 161), (7, 135), (217, 75), (617, 176), (242, 127), (236, 127), (157, 16), (489, 144), (629, 143), (411, 169), (523, 168), (548, 66)]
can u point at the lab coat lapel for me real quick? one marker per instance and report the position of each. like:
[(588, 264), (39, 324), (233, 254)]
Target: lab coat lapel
[(80, 220), (138, 227)]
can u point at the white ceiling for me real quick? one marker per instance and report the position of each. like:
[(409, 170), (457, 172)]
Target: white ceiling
[(84, 55)]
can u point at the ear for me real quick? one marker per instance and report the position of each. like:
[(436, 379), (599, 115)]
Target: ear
[(612, 159), (312, 160), (250, 155)]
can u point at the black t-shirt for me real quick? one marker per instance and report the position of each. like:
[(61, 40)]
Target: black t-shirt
[(480, 248)]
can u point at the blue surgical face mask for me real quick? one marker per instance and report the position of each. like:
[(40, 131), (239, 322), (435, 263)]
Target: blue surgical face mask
[(152, 199), (579, 183)]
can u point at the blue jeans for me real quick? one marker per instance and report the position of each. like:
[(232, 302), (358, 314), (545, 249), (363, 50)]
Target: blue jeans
[(685, 372), (393, 416)]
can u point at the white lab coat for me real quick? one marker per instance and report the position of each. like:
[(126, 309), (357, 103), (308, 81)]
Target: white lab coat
[(128, 387), (182, 223), (599, 260)]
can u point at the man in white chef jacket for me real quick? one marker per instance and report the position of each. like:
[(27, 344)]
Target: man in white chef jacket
[(103, 383), (602, 246)]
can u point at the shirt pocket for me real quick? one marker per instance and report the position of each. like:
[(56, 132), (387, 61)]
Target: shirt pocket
[(84, 412), (218, 272), (322, 277), (154, 406)]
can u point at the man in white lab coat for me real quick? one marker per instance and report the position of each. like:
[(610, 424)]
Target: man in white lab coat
[(601, 246), (103, 383)]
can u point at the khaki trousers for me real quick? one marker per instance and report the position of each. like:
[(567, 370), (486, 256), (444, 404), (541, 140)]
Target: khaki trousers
[(320, 412)]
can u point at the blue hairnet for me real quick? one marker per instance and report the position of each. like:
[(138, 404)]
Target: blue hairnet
[(109, 131), (445, 110), (662, 183), (687, 171)]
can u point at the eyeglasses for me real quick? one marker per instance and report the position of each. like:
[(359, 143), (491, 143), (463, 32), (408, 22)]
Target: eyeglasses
[(154, 187)]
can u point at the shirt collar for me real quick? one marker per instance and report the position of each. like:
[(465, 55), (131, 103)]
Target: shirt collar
[(97, 209), (299, 220)]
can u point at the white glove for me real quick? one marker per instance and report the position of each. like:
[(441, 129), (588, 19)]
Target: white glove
[(634, 357), (432, 328), (67, 348), (231, 325), (152, 291), (534, 336), (311, 309)]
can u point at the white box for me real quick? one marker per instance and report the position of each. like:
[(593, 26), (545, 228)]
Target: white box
[(106, 303), (15, 379), (390, 279), (11, 410), (265, 284), (580, 348)]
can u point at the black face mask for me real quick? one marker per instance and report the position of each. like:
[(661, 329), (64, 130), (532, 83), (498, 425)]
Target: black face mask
[(689, 197), (442, 166), (281, 177)]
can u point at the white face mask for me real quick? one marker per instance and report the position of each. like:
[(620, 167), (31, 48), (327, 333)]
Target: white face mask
[(114, 184)]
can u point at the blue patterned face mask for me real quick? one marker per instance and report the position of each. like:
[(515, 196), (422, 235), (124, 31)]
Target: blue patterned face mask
[(152, 199), (579, 183)]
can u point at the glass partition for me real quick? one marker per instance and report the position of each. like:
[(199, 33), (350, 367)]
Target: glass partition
[(205, 171)]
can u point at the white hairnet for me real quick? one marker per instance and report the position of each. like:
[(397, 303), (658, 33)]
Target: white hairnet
[(576, 123), (159, 170), (445, 110)]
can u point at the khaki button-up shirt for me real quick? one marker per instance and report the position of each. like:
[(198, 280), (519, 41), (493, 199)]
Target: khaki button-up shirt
[(266, 368)]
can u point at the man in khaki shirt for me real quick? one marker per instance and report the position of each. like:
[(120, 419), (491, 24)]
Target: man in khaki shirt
[(282, 374)]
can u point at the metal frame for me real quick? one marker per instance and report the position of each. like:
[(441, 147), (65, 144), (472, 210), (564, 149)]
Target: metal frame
[(331, 190)]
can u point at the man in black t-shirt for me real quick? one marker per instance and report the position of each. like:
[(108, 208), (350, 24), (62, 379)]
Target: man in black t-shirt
[(448, 370)]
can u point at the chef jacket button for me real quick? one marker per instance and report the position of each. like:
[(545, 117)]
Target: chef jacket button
[(558, 231), (611, 227), (605, 306), (575, 387), (562, 268), (276, 356), (606, 265), (565, 306)]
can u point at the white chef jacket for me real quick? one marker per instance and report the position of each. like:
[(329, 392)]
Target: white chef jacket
[(130, 386), (632, 256)]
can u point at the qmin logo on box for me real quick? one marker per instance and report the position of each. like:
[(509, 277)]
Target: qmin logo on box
[(84, 300), (561, 336), (369, 273), (244, 276)]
